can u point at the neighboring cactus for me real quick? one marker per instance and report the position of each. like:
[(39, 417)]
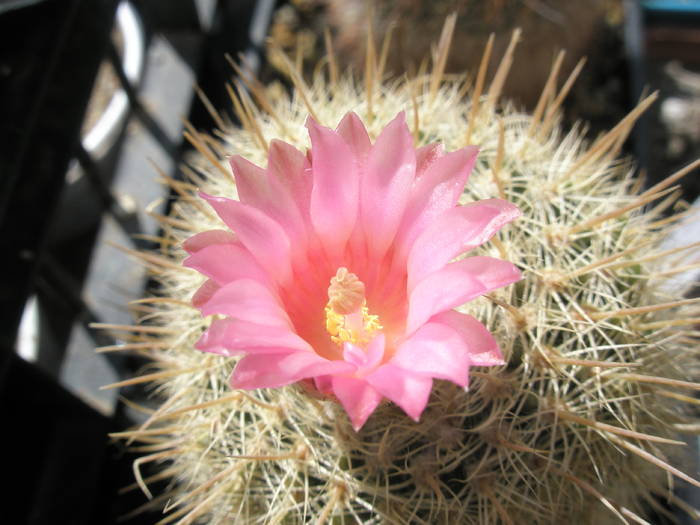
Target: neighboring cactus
[(413, 26), (601, 353)]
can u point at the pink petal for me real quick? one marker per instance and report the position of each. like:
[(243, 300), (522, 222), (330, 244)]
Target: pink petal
[(435, 350), (274, 370), (386, 184), (456, 284), (267, 193), (204, 293), (291, 168), (353, 131), (482, 347), (353, 354), (225, 263), (426, 155), (375, 351), (247, 300), (334, 195), (207, 238), (324, 384), (261, 235), (408, 390), (357, 397), (235, 336), (251, 182), (437, 189), (443, 180), (455, 231), (365, 359)]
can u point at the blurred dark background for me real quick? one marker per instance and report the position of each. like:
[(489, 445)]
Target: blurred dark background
[(91, 91)]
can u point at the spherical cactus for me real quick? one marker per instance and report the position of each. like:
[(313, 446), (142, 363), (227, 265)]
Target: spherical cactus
[(580, 423)]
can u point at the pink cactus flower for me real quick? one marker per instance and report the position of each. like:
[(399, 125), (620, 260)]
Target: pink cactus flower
[(341, 272)]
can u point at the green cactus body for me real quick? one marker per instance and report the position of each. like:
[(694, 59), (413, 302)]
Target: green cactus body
[(580, 424)]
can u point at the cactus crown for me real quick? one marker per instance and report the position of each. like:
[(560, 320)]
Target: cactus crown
[(600, 354)]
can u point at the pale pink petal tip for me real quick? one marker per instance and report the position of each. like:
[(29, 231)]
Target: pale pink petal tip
[(358, 398), (204, 293), (207, 238), (481, 345), (408, 390), (353, 131)]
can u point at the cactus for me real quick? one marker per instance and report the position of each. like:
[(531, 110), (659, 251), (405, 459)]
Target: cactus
[(578, 27), (581, 424)]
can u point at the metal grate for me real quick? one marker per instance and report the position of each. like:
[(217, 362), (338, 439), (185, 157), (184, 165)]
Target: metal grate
[(64, 200)]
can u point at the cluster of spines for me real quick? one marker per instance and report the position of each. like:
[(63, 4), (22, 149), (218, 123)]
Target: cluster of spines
[(598, 359)]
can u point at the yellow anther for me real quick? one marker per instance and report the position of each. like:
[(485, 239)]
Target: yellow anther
[(333, 321), (370, 322)]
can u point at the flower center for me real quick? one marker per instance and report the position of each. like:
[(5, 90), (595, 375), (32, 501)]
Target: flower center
[(347, 316)]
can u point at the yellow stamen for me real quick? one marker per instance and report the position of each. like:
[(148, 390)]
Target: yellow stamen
[(347, 316)]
